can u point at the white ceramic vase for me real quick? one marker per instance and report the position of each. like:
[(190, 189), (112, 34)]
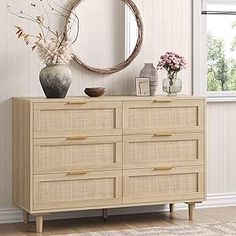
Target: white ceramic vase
[(149, 71)]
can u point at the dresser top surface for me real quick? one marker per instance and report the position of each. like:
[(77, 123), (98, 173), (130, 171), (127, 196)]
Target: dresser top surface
[(110, 98)]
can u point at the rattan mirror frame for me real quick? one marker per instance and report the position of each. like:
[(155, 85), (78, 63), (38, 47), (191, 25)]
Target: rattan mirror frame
[(134, 54)]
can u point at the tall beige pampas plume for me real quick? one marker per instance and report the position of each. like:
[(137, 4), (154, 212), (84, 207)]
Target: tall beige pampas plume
[(54, 51)]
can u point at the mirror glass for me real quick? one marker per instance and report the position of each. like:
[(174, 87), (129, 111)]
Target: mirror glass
[(108, 32)]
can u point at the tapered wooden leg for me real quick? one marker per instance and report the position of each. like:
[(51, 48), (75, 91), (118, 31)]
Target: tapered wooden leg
[(104, 214), (191, 207), (172, 207), (25, 217), (39, 223)]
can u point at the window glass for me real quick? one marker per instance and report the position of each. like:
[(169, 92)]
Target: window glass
[(221, 48)]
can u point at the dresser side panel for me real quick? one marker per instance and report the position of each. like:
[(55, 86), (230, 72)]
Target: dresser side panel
[(21, 153)]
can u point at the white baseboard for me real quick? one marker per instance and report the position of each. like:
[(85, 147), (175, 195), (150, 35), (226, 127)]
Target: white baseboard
[(213, 200), (10, 215)]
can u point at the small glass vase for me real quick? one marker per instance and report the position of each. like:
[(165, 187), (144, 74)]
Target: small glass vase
[(172, 85)]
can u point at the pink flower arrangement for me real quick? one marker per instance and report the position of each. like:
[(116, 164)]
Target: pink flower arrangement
[(172, 62)]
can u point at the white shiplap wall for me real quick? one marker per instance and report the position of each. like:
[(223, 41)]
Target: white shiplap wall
[(221, 148), (167, 26)]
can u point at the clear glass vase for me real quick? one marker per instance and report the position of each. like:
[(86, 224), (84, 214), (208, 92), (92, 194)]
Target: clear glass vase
[(172, 85)]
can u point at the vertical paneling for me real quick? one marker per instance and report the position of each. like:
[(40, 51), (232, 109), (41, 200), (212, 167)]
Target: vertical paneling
[(186, 47), (3, 106), (221, 148), (229, 148), (215, 153), (167, 26)]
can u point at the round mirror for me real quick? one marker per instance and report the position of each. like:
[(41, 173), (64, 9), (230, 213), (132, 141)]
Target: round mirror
[(110, 34)]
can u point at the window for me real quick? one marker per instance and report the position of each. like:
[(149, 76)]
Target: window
[(219, 27)]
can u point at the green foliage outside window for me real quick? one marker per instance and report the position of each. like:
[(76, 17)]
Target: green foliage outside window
[(221, 70)]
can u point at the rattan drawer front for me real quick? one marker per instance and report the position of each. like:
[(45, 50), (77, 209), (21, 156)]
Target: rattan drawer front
[(62, 154), (77, 189), (163, 184), (91, 119), (146, 117), (175, 150)]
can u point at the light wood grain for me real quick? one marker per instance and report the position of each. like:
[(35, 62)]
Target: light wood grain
[(172, 208), (53, 155), (39, 223), (175, 116), (176, 150), (21, 153), (41, 102), (191, 207), (25, 217), (104, 214), (88, 189), (69, 169), (54, 119), (148, 185)]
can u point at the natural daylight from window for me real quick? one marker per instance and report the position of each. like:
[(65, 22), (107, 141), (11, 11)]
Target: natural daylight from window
[(221, 48)]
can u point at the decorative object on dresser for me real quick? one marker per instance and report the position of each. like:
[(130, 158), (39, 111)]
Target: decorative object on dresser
[(52, 46), (149, 71), (119, 22), (55, 80), (108, 152), (142, 86), (173, 63), (94, 92)]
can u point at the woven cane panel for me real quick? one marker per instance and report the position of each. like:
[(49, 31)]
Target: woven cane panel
[(160, 185), (75, 156), (67, 120), (75, 190), (162, 117), (161, 151)]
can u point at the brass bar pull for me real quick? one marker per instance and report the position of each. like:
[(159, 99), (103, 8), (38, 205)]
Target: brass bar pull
[(77, 173), (74, 138), (76, 102), (163, 100), (161, 134), (162, 168)]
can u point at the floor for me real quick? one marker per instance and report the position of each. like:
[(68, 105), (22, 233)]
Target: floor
[(71, 226)]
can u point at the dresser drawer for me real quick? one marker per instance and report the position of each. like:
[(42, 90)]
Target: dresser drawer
[(77, 190), (163, 149), (163, 184), (65, 154), (77, 118), (144, 117)]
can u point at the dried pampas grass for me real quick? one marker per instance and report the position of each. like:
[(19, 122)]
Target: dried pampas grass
[(54, 51), (52, 46)]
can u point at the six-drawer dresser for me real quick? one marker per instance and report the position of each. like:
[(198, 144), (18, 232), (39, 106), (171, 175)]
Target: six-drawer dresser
[(99, 153)]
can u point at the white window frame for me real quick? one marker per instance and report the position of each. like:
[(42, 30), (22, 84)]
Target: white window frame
[(200, 57)]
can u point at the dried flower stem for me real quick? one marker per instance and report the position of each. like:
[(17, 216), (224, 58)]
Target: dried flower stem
[(56, 49), (32, 19)]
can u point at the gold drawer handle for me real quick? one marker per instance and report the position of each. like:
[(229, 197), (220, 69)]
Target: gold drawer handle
[(76, 102), (76, 173), (76, 138), (161, 134), (163, 100), (162, 168)]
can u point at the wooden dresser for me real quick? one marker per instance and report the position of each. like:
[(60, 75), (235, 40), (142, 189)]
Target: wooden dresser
[(98, 153)]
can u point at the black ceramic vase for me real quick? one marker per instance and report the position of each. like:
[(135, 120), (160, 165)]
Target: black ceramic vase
[(55, 80)]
